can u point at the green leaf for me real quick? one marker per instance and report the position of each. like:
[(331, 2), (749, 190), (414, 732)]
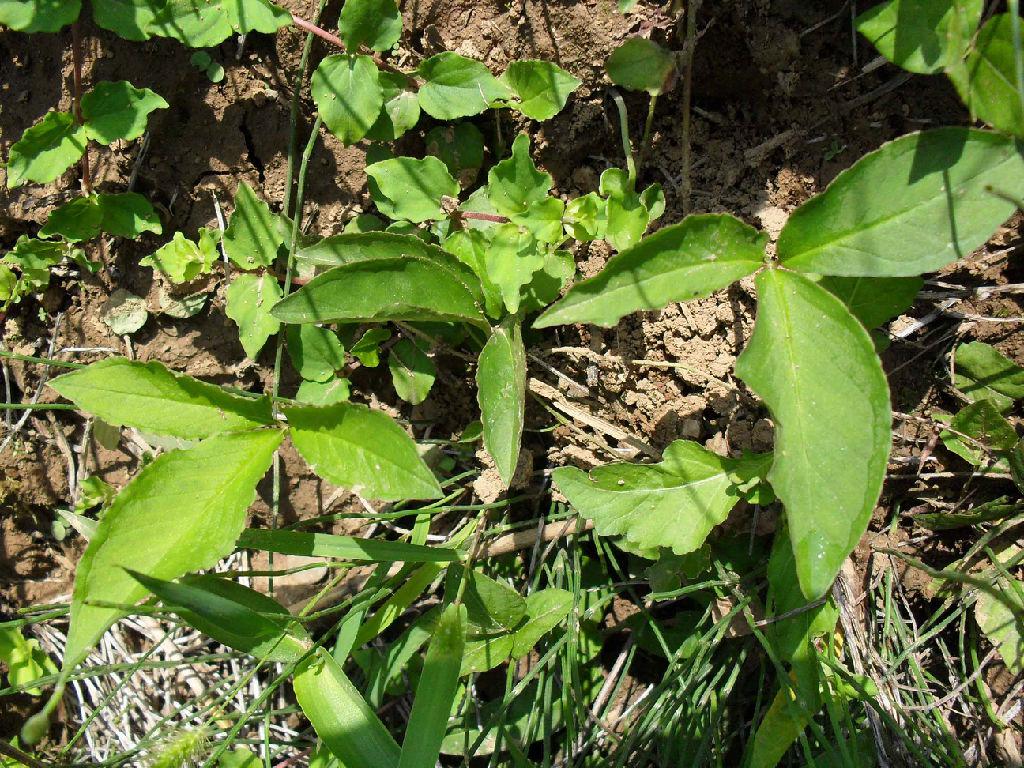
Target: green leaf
[(455, 86), (626, 217), (412, 371), (923, 36), (543, 220), (38, 15), (255, 16), (348, 95), (1003, 626), (460, 147), (674, 503), (240, 757), (912, 206), (492, 605), (147, 396), (401, 109), (511, 258), (250, 298), (8, 283), (130, 19), (383, 277), (470, 247), (435, 692), (540, 88), (363, 450), (181, 513), (46, 150), (641, 65), (987, 79), (582, 216), (195, 23), (252, 237), (981, 372), (411, 189), (375, 23), (809, 356), (79, 220), (343, 547), (128, 215), (125, 313), (982, 423), (874, 300), (653, 199), (336, 390), (26, 661), (118, 110), (501, 393), (700, 255), (236, 616), (515, 184), (545, 609), (182, 260), (316, 352), (341, 717)]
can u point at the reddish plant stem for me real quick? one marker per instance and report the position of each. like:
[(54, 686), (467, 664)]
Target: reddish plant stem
[(496, 218), (76, 56), (334, 40)]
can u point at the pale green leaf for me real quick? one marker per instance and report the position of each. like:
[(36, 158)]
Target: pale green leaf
[(411, 189), (401, 109), (977, 432), (626, 217), (181, 513), (515, 184), (383, 276), (341, 717), (125, 313), (240, 757), (250, 298), (255, 16), (316, 353), (252, 237), (541, 88), (412, 371), (809, 356), (511, 258), (195, 23), (343, 547), (348, 95), (46, 150), (118, 110), (470, 247), (582, 217), (336, 390), (367, 349), (501, 393), (543, 220), (454, 86), (149, 397), (912, 206), (182, 260), (987, 79), (435, 692), (130, 19), (700, 255), (982, 372), (923, 36), (641, 65), (1003, 625), (79, 220), (38, 15), (874, 300), (363, 450), (674, 503), (374, 23)]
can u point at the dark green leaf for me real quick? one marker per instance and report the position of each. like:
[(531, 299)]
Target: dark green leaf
[(987, 79), (118, 110), (411, 189), (130, 19), (401, 109), (375, 23), (874, 300), (348, 95), (252, 237), (460, 147), (46, 150), (923, 36), (982, 373), (515, 184), (38, 15), (128, 215), (79, 220), (641, 65), (541, 88), (501, 393), (412, 371), (316, 352), (455, 86)]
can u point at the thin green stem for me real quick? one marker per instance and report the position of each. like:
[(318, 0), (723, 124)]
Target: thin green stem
[(36, 407), (627, 146), (645, 145)]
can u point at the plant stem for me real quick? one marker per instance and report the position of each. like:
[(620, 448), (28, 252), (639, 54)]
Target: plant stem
[(36, 407), (627, 146), (14, 753), (76, 56), (688, 48), (645, 143), (41, 360), (334, 40), (476, 215)]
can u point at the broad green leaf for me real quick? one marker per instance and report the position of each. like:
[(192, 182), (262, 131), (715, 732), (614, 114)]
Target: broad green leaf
[(923, 36), (232, 614), (511, 259), (128, 214), (814, 365), (182, 260), (26, 661), (454, 86), (1003, 626), (582, 216), (987, 79), (548, 282), (545, 609), (985, 428), (125, 313), (460, 147), (401, 109), (336, 390), (252, 237), (147, 396), (412, 371), (781, 726), (435, 692), (343, 547), (492, 605), (367, 349), (118, 110), (515, 184), (34, 258), (912, 206), (340, 715), (363, 450), (195, 23), (348, 95), (255, 16), (46, 150), (38, 15), (981, 372), (641, 65), (8, 283), (674, 503), (130, 19), (79, 220), (316, 353), (700, 255), (501, 393), (374, 23), (470, 247), (240, 757), (543, 220), (181, 513), (382, 277), (541, 88), (626, 217), (250, 298), (874, 300), (411, 189)]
